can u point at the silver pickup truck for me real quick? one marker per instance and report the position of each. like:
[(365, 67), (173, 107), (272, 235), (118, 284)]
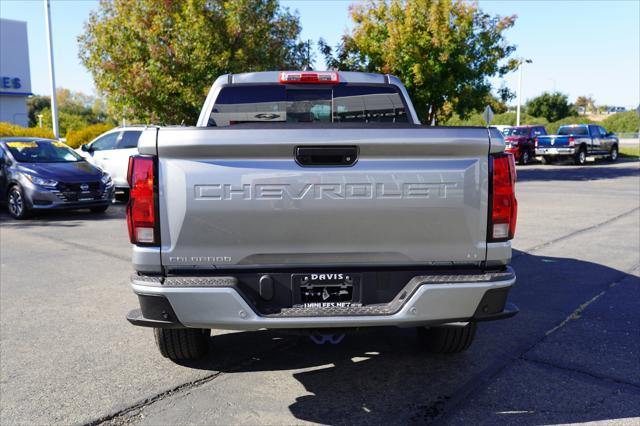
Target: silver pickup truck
[(316, 201)]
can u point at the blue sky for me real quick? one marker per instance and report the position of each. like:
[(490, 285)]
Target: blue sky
[(577, 47)]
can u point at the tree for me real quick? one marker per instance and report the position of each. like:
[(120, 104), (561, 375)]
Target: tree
[(35, 105), (155, 60), (552, 106), (586, 102), (444, 51), (75, 110)]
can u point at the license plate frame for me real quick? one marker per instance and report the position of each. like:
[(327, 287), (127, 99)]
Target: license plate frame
[(326, 289)]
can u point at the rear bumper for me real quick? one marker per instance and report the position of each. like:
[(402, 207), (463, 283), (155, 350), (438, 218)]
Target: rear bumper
[(426, 300), (555, 151)]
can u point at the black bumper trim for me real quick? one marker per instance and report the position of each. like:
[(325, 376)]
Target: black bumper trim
[(135, 317), (155, 311), (510, 310)]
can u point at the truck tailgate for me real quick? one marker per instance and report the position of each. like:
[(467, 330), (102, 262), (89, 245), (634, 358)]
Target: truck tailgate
[(236, 197), (553, 141)]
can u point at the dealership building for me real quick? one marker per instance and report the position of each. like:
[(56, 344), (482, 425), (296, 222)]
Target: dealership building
[(15, 75)]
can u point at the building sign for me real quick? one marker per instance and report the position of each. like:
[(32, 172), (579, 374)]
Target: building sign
[(15, 78), (15, 75), (10, 83)]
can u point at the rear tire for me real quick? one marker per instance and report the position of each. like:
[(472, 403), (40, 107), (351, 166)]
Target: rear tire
[(182, 344), (581, 157), (525, 158), (613, 155), (448, 339)]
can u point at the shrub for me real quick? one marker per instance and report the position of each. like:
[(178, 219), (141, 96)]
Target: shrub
[(76, 138), (507, 118), (622, 122), (8, 129)]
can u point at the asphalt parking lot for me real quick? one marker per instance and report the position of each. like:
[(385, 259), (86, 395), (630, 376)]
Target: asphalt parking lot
[(67, 355)]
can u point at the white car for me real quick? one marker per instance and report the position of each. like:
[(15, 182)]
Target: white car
[(111, 151), (501, 127)]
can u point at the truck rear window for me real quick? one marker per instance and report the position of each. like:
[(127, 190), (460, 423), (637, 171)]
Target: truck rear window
[(573, 130), (515, 131), (284, 104)]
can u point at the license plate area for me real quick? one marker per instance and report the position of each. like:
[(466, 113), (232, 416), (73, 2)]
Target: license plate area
[(326, 290)]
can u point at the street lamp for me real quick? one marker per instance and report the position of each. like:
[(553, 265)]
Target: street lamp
[(52, 76), (520, 62)]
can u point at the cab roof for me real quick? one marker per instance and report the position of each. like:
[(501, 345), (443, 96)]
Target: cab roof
[(274, 77)]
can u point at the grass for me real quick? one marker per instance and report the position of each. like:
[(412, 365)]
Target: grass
[(630, 151)]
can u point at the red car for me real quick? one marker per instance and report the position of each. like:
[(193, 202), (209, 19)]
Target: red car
[(520, 141)]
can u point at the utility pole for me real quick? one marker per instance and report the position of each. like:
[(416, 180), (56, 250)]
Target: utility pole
[(520, 62), (52, 77), (519, 93)]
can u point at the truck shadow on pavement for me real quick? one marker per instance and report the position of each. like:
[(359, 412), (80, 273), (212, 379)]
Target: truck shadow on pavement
[(561, 360), (567, 172)]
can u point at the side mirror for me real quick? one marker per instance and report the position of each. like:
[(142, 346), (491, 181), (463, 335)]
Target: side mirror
[(86, 148)]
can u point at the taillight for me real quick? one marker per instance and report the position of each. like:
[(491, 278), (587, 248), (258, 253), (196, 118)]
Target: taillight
[(572, 141), (142, 217), (535, 142), (309, 77), (504, 206)]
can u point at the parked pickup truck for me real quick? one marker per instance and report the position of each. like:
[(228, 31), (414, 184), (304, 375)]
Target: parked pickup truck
[(520, 141), (316, 201), (577, 142)]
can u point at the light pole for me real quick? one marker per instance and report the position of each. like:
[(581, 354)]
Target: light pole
[(52, 76), (520, 62)]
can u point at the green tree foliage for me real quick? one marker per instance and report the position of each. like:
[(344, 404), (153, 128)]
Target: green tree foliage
[(552, 106), (35, 105), (497, 105), (622, 122), (155, 60), (443, 51), (66, 121), (586, 102), (75, 110)]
